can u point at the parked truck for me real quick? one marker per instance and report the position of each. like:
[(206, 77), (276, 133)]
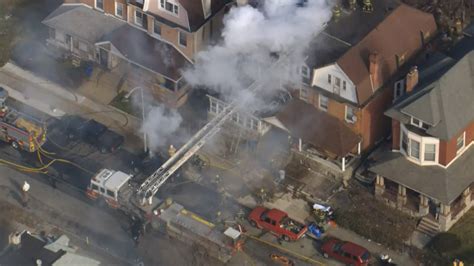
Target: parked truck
[(21, 131), (278, 223)]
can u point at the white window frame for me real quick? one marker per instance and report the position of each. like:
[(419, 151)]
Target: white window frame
[(179, 38), (423, 141), (305, 71), (424, 152), (398, 89), (461, 149), (154, 24), (135, 17), (98, 8), (304, 94), (420, 124), (353, 120), (337, 82), (175, 7), (319, 102), (117, 4)]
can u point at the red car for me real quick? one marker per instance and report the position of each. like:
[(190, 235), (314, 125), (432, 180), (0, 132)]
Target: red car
[(277, 222), (346, 252)]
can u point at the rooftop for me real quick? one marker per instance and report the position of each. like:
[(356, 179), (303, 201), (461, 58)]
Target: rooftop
[(443, 98), (82, 22), (443, 184), (146, 51), (317, 128)]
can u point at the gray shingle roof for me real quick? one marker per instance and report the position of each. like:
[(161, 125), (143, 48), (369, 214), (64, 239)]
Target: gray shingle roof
[(444, 99), (82, 22), (443, 184)]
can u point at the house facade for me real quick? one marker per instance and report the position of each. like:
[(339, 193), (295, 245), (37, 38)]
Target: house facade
[(429, 171), (348, 74), (145, 43)]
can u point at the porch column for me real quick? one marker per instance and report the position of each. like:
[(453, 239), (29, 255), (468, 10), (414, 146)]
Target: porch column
[(466, 195), (423, 208), (300, 145), (402, 196), (444, 217), (343, 164), (379, 186)]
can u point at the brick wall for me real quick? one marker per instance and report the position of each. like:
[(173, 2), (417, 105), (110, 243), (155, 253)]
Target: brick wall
[(448, 150), (395, 134)]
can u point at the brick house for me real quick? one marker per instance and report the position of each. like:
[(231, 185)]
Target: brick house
[(142, 42), (348, 75), (429, 172)]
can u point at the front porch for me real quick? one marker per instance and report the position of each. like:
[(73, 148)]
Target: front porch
[(420, 205)]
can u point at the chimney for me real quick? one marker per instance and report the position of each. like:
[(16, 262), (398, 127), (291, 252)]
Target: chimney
[(375, 70), (412, 79)]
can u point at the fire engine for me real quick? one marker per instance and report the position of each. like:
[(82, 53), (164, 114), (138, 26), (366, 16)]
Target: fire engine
[(20, 130)]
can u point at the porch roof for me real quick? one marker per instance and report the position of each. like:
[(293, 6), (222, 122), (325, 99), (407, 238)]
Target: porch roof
[(325, 132), (443, 184), (144, 50)]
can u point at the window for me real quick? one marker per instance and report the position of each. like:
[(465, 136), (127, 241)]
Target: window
[(338, 82), (399, 88), (99, 4), (430, 152), (102, 190), (119, 9), (156, 28), (350, 115), (418, 123), (138, 18), (414, 149), (323, 102), (304, 94), (110, 193), (95, 187), (460, 142), (344, 85), (404, 142), (169, 6), (329, 78), (182, 39), (213, 108), (305, 71)]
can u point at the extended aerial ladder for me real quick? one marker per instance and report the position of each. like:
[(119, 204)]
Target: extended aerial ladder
[(152, 184)]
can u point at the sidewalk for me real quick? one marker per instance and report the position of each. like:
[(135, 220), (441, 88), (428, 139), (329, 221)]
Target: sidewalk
[(47, 94)]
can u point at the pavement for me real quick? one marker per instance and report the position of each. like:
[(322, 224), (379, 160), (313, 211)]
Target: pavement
[(48, 94)]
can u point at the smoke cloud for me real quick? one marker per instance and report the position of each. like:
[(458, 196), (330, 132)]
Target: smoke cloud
[(252, 40), (160, 125)]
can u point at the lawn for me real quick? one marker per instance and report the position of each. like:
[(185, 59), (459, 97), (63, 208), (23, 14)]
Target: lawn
[(358, 210), (464, 229)]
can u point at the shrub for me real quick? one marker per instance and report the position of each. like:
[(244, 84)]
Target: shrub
[(445, 242)]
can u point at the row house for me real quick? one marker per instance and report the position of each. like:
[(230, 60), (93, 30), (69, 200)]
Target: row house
[(145, 44), (429, 171), (347, 76)]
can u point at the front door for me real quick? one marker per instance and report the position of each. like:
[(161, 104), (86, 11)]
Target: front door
[(69, 41), (104, 58)]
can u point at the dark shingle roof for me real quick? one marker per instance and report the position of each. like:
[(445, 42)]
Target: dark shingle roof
[(83, 22), (144, 50), (444, 99), (316, 127), (443, 184)]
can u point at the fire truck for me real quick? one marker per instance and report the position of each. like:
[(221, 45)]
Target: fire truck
[(116, 189), (20, 130)]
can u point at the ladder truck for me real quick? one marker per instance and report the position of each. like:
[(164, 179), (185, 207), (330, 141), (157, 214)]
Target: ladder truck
[(119, 193)]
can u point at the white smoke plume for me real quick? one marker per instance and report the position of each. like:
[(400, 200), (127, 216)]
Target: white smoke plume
[(251, 39), (160, 126)]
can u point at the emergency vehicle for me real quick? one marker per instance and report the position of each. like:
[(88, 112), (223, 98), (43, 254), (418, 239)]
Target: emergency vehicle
[(21, 131)]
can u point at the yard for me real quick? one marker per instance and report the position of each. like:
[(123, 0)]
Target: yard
[(464, 230), (358, 210)]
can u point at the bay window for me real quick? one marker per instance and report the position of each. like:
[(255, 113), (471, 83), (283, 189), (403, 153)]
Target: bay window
[(420, 149), (430, 152), (414, 149)]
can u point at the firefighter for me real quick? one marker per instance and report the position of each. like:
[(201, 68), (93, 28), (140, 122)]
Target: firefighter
[(171, 151), (24, 195)]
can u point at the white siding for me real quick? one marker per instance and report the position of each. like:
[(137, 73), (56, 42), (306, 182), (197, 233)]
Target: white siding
[(320, 79)]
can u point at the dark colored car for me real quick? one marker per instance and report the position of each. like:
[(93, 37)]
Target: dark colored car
[(345, 252), (93, 133)]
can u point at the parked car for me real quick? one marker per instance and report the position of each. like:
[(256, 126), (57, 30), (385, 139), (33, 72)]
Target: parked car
[(93, 133), (346, 252), (278, 223)]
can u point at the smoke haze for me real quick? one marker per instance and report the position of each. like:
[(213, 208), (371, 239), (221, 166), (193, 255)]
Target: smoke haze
[(251, 38)]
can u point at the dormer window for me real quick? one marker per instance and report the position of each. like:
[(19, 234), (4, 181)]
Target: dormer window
[(418, 123), (170, 6)]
